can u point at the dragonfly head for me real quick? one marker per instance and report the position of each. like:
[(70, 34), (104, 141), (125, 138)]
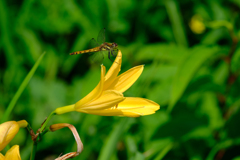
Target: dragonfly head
[(114, 45)]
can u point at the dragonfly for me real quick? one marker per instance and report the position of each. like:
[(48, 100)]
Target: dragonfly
[(99, 48)]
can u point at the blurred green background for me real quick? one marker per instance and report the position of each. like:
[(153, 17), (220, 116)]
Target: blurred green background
[(191, 72)]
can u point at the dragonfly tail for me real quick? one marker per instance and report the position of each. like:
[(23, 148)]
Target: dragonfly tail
[(78, 52), (85, 51)]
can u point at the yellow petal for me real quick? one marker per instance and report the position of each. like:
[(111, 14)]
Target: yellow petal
[(105, 112), (7, 132), (135, 102), (13, 153), (125, 80), (134, 107), (96, 92), (130, 107), (108, 99), (114, 70), (2, 157)]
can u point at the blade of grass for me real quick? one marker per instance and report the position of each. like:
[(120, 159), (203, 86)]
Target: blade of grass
[(7, 42), (111, 143), (177, 24), (20, 90), (187, 69)]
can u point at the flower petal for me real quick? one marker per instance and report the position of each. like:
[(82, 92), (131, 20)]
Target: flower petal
[(130, 107), (125, 80), (2, 157), (114, 70), (135, 107), (105, 112), (13, 153), (96, 92), (7, 132), (108, 99)]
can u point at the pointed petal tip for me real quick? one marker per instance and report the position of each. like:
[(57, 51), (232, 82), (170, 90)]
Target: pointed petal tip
[(13, 153), (127, 79)]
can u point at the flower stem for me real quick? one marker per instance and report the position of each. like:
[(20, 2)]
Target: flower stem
[(34, 149), (65, 109), (46, 122)]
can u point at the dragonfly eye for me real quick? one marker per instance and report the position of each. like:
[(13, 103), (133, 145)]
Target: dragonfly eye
[(115, 45)]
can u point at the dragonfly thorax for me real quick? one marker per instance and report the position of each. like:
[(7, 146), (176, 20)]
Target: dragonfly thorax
[(108, 46)]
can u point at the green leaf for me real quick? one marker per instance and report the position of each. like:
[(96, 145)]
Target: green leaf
[(111, 143), (20, 90), (154, 148), (186, 71), (230, 127), (213, 36), (174, 14), (237, 158), (210, 108), (183, 122), (139, 156), (235, 63), (163, 52), (164, 151), (222, 145)]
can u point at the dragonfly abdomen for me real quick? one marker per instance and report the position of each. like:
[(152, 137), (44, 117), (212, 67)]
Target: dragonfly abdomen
[(85, 51)]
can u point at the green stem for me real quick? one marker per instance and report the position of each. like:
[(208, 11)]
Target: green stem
[(45, 131), (34, 150), (29, 128), (46, 122)]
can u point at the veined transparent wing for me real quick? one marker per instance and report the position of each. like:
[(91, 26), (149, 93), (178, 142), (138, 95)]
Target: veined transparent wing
[(96, 57), (101, 36), (93, 43)]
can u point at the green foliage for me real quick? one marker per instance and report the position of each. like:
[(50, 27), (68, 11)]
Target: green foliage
[(193, 77), (20, 90)]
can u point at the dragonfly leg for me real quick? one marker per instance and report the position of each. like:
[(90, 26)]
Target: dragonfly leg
[(112, 53), (115, 52), (109, 56)]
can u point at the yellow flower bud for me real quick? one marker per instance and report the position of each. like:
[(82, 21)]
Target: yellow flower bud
[(196, 24), (8, 130)]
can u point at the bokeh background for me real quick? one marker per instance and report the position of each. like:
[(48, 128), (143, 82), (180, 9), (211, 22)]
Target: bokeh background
[(192, 59)]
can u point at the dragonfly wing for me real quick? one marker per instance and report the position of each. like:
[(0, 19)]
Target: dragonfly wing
[(101, 36), (93, 43), (97, 57)]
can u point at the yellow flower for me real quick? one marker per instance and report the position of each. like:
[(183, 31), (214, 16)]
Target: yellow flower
[(12, 154), (196, 24), (8, 130), (106, 98)]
